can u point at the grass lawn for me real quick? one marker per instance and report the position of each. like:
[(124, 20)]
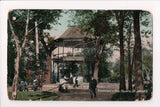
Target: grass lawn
[(34, 95)]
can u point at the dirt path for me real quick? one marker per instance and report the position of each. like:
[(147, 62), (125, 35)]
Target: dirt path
[(83, 95)]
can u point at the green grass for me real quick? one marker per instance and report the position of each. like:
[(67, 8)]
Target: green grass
[(123, 96), (34, 95)]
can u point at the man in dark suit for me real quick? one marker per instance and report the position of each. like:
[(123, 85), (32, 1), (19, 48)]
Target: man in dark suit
[(92, 87)]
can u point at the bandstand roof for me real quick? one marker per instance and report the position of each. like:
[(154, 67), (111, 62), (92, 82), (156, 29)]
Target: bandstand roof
[(74, 37)]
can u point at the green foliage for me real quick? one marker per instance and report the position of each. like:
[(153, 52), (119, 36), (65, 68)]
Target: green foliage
[(115, 77), (81, 70), (126, 96), (146, 23), (45, 19), (30, 55), (22, 73), (18, 19), (11, 55), (34, 95), (147, 62), (48, 42), (11, 61), (104, 66), (69, 68), (89, 52), (147, 58), (116, 66), (96, 22), (29, 80), (148, 93)]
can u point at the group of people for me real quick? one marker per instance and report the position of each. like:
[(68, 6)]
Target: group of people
[(92, 86)]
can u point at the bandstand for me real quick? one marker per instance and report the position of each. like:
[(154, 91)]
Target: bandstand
[(69, 50)]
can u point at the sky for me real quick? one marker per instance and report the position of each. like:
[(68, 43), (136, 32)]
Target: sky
[(58, 30)]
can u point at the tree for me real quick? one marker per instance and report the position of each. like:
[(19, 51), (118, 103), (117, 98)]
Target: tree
[(19, 54), (49, 46), (31, 64), (96, 23), (129, 60), (103, 66), (146, 30), (146, 34), (128, 40), (17, 29), (138, 56), (49, 19), (120, 18)]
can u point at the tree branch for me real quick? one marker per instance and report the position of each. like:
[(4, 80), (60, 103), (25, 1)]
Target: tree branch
[(26, 31), (34, 28), (44, 44), (106, 40), (97, 45), (15, 36), (117, 16), (93, 41), (51, 49), (104, 44)]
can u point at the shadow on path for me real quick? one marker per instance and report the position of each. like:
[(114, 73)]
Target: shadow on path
[(83, 95)]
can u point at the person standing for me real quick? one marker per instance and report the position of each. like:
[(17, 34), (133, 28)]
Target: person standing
[(92, 87), (76, 81)]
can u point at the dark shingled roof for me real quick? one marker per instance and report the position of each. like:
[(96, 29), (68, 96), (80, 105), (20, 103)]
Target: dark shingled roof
[(74, 33), (73, 37)]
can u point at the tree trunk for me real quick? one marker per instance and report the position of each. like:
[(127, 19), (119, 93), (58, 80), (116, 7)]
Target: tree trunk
[(48, 79), (96, 69), (37, 44), (96, 66), (89, 69), (99, 52), (129, 62), (15, 79), (147, 74), (122, 74), (138, 57), (19, 54)]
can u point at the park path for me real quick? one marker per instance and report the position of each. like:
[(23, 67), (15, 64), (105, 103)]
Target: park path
[(82, 93)]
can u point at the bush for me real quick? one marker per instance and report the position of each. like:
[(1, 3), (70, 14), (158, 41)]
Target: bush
[(121, 96), (148, 89), (148, 94)]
